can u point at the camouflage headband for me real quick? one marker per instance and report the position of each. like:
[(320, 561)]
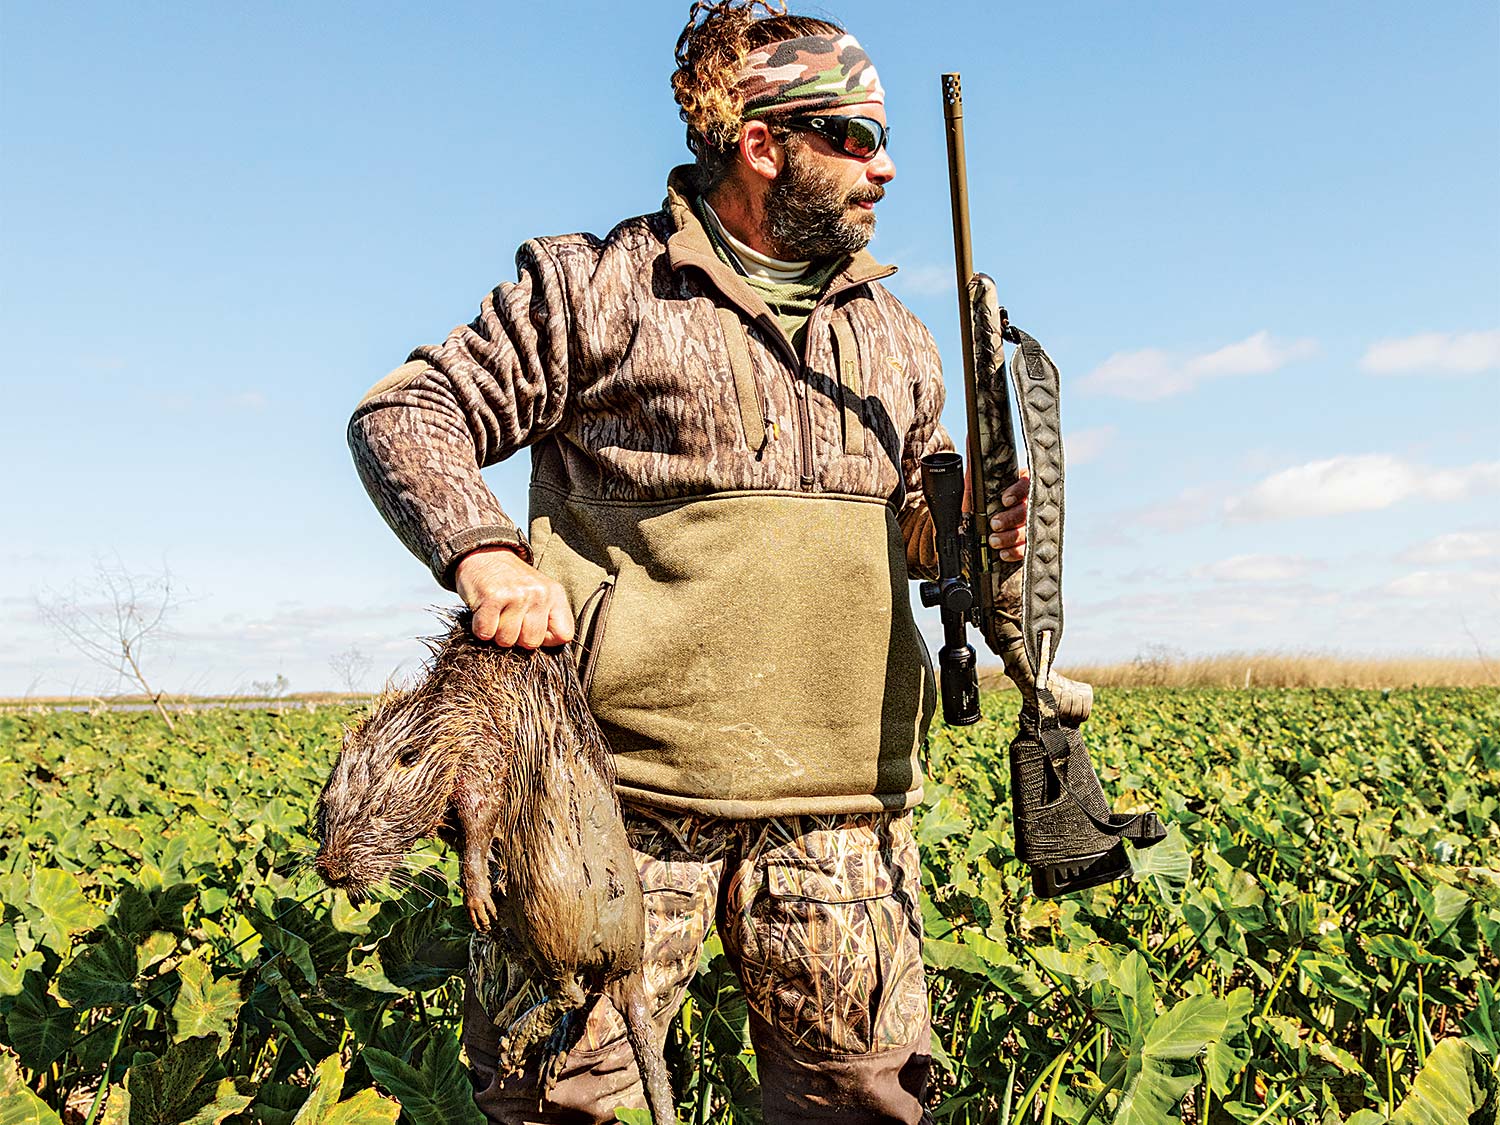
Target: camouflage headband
[(811, 73)]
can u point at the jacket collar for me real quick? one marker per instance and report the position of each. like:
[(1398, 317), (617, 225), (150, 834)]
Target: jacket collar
[(689, 245)]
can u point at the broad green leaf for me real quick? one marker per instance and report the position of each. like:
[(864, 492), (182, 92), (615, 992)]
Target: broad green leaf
[(1185, 1029), (204, 1006), (40, 1029), (1152, 1095), (1131, 980), (102, 975), (323, 1095), (423, 951), (293, 948), (283, 816), (18, 1105), (142, 910), (180, 1087), (1168, 865), (1483, 1023), (1456, 1087), (1226, 1056), (277, 1103), (1349, 802), (365, 1108), (14, 965), (1165, 1069), (940, 820), (59, 909), (1402, 949), (227, 1101), (952, 955), (437, 1093), (116, 1106), (1447, 904), (351, 919), (324, 1108)]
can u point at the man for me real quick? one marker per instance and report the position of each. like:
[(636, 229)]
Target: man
[(726, 413)]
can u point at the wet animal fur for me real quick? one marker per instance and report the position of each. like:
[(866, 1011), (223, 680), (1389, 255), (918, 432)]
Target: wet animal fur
[(496, 752)]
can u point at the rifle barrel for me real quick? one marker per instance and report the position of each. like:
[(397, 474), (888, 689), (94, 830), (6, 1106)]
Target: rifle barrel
[(963, 253)]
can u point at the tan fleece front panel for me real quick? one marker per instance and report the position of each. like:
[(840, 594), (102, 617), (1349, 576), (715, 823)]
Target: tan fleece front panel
[(759, 655)]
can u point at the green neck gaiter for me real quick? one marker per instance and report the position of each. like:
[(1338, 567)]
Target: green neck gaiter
[(790, 302)]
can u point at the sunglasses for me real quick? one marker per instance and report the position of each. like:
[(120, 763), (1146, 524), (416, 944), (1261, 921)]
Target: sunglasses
[(859, 137)]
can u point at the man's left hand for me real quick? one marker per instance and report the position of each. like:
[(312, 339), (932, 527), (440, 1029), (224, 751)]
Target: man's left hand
[(1008, 525)]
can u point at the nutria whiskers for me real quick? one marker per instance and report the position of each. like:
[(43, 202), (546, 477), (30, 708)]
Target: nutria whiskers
[(496, 752)]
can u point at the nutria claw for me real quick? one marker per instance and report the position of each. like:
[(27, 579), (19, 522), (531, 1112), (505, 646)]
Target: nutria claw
[(496, 752), (481, 907)]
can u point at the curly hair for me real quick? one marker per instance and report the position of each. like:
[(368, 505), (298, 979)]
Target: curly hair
[(709, 52)]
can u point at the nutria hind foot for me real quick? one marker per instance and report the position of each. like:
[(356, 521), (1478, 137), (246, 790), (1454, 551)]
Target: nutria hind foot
[(555, 1050), (539, 1024)]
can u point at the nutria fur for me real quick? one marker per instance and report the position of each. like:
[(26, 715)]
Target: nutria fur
[(496, 752)]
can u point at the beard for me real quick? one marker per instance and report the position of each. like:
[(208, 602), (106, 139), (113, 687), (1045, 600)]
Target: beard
[(808, 216)]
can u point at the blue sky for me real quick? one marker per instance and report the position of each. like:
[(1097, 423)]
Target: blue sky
[(1262, 242)]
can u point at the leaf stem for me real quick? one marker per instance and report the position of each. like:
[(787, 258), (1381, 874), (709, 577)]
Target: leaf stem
[(109, 1065)]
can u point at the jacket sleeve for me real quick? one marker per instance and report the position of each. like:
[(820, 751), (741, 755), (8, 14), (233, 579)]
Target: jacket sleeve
[(926, 435), (421, 435)]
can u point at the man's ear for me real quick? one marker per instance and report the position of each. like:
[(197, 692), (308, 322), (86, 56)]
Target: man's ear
[(761, 152)]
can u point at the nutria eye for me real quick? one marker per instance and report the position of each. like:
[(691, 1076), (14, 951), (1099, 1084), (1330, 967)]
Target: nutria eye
[(411, 757)]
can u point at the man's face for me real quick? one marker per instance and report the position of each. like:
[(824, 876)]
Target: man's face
[(822, 204)]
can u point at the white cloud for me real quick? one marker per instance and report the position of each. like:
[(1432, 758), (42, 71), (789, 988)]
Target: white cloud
[(925, 281), (1152, 373), (1189, 507), (1258, 568), (1456, 546), (1087, 445), (1363, 483), (1435, 585), (1254, 355), (1434, 353)]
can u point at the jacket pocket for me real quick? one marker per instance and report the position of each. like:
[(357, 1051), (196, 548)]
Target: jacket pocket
[(752, 412), (588, 631), (851, 388)]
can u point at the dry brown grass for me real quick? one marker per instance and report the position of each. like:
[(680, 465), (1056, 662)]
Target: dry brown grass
[(1280, 670)]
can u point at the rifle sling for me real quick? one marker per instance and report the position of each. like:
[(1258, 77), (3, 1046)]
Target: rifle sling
[(1035, 378)]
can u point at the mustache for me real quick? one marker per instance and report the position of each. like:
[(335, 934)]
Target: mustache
[(872, 194)]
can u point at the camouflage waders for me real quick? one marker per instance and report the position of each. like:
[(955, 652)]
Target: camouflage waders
[(819, 917)]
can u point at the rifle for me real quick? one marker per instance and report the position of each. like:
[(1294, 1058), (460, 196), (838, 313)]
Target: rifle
[(1065, 829)]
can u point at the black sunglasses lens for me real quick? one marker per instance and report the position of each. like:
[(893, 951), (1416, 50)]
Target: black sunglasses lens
[(862, 136)]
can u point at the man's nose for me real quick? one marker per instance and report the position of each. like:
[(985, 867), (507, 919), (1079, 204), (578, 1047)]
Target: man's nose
[(881, 169)]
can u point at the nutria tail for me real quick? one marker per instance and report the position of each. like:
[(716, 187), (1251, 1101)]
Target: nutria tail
[(628, 994)]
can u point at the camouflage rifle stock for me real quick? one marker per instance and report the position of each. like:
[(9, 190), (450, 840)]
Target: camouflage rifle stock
[(1065, 829)]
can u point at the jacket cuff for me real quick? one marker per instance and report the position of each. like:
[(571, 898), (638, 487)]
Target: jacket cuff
[(445, 558)]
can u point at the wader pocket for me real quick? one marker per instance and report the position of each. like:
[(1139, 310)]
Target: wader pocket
[(588, 632), (834, 956)]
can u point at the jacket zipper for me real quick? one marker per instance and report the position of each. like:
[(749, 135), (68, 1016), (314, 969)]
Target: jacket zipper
[(800, 387)]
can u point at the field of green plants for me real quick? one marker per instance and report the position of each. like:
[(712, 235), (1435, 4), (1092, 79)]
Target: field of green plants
[(1316, 941)]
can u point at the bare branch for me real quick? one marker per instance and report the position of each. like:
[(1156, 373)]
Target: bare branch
[(112, 621)]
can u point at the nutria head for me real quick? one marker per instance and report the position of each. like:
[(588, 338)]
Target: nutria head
[(391, 784)]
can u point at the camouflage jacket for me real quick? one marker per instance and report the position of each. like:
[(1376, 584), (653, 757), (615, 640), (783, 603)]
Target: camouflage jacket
[(734, 522)]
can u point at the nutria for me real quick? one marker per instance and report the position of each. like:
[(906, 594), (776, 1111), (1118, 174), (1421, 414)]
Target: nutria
[(496, 752)]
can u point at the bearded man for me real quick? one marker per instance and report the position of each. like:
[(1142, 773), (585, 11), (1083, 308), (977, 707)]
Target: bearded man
[(726, 412)]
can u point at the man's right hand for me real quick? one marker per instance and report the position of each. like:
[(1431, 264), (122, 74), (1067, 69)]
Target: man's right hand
[(513, 602)]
